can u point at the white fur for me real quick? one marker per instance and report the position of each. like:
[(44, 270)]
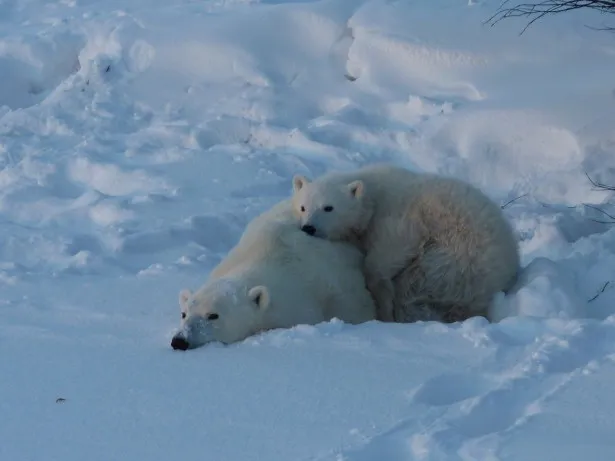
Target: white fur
[(433, 245), (277, 277)]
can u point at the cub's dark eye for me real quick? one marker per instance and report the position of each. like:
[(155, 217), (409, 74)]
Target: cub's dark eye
[(302, 209), (328, 208), (183, 315), (212, 317)]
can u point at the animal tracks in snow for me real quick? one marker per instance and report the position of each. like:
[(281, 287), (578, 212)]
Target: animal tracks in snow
[(466, 415), (448, 389)]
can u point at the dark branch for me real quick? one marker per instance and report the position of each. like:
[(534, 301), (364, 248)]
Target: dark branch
[(602, 29), (599, 292), (599, 185), (604, 187), (600, 210), (511, 201), (536, 11)]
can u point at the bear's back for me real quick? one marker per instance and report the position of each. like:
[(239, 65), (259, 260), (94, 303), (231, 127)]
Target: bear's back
[(274, 237)]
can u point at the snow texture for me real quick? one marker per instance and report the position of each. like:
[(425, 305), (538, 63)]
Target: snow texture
[(138, 138)]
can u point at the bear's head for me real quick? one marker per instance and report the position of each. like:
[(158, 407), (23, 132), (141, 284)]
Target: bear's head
[(329, 208), (223, 311)]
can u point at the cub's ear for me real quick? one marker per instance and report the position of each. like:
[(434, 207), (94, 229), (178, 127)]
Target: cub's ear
[(260, 296), (184, 297), (299, 181), (356, 188)]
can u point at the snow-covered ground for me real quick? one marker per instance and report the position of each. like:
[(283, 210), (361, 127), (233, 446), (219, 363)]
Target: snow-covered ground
[(137, 138)]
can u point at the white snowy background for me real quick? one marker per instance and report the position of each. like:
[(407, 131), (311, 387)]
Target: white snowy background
[(137, 139)]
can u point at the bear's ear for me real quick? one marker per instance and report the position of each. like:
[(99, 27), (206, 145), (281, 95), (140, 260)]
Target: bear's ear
[(299, 181), (356, 188), (184, 296), (260, 296)]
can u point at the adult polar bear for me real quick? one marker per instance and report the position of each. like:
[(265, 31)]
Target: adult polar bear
[(435, 247), (275, 277)]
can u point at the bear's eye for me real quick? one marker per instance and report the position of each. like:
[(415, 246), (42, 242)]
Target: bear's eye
[(183, 315), (302, 209), (328, 208), (212, 317)]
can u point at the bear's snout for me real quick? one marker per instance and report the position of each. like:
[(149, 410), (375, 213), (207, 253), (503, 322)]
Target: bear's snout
[(308, 229), (179, 342)]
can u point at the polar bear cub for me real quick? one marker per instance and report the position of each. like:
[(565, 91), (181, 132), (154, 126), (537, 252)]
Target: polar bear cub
[(275, 277), (435, 247)]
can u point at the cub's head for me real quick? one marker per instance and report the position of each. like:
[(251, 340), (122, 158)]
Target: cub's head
[(224, 311), (328, 208)]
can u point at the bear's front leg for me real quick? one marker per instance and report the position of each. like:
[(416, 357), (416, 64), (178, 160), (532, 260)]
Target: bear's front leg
[(383, 292), (379, 281), (389, 251)]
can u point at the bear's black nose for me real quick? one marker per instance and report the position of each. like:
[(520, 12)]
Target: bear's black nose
[(179, 343), (308, 229)]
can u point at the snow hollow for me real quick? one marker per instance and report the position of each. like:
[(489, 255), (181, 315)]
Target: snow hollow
[(138, 138)]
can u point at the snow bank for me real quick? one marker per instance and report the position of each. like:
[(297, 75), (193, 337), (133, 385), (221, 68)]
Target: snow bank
[(137, 139)]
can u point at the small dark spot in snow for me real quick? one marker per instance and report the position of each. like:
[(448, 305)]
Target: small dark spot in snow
[(35, 89), (108, 68), (60, 400), (350, 77)]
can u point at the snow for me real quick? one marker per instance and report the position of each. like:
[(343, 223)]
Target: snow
[(137, 139)]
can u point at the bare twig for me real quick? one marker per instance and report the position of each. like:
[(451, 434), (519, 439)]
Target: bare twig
[(536, 11), (513, 200), (601, 29), (593, 207), (606, 284), (603, 187), (599, 185)]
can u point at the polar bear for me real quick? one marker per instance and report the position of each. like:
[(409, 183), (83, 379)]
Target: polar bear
[(275, 277), (435, 247)]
